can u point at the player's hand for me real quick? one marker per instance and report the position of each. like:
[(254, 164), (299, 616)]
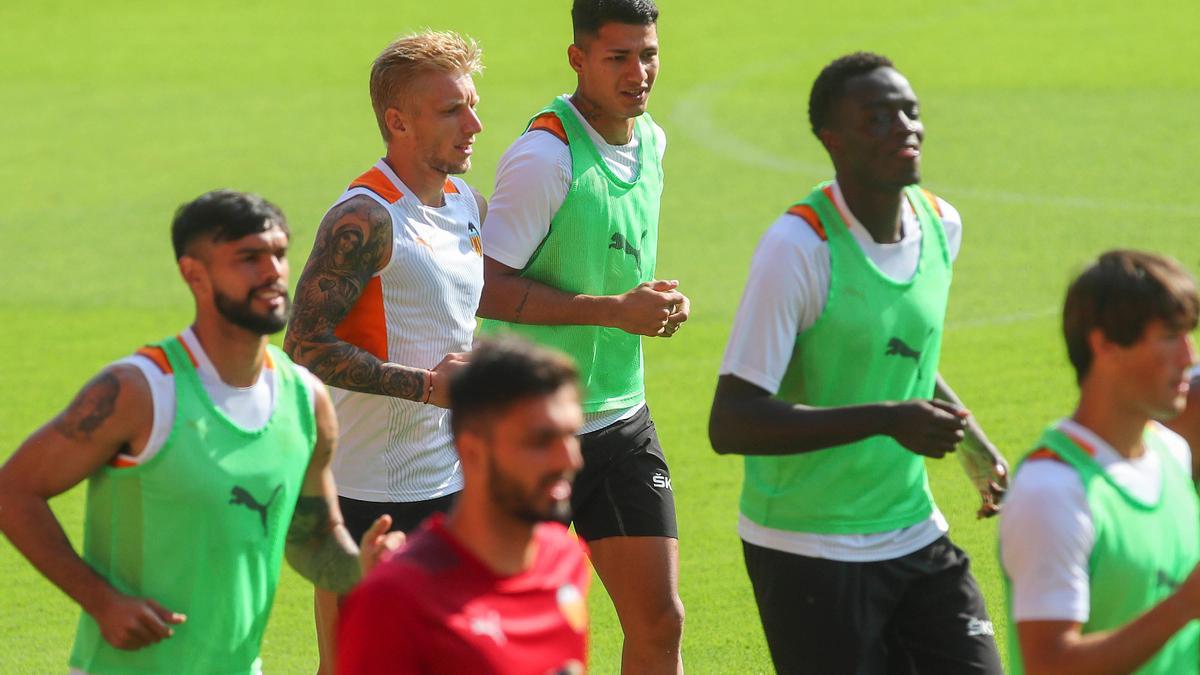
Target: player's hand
[(441, 374), (378, 544), (988, 471), (929, 428), (132, 623), (679, 313), (646, 308)]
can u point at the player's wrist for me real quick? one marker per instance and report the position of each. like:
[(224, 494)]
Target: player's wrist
[(428, 381)]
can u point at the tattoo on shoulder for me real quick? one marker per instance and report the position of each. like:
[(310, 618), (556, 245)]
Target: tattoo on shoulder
[(93, 405), (353, 243)]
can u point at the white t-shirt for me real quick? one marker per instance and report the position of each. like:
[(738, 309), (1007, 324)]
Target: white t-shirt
[(532, 180), (1046, 532), (248, 407), (784, 295)]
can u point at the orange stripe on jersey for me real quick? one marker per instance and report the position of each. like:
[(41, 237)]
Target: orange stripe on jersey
[(550, 122), (450, 188), (191, 357), (120, 462), (365, 326), (376, 182), (158, 356), (1044, 453), (268, 361), (810, 216), (933, 201), (1087, 447)]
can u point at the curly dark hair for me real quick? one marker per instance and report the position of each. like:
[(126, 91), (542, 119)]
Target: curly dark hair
[(832, 80)]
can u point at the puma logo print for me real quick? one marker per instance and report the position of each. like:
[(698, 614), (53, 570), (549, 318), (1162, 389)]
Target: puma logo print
[(896, 347), (239, 495), (620, 243), (1166, 581)]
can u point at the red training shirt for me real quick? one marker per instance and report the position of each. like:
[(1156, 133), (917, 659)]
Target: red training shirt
[(436, 608)]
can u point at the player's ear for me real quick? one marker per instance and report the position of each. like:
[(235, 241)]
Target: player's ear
[(470, 448), (1100, 345), (193, 272), (830, 140), (395, 121), (575, 57)]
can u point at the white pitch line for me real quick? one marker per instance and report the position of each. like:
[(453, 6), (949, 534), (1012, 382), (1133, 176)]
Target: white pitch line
[(693, 116), (1015, 317)]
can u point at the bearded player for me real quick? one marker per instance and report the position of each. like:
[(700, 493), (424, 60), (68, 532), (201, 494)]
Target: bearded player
[(492, 587), (206, 456)]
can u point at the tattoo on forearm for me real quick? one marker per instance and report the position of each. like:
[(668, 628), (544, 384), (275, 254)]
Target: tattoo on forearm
[(524, 298), (90, 409), (352, 244), (319, 549)]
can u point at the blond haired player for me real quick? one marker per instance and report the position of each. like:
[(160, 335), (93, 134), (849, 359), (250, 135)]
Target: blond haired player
[(385, 307)]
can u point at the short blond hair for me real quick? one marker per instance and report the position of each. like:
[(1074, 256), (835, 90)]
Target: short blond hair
[(406, 58)]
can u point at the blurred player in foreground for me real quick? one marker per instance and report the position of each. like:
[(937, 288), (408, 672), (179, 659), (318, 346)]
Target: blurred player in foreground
[(492, 587), (825, 387), (203, 453), (1100, 537), (386, 305)]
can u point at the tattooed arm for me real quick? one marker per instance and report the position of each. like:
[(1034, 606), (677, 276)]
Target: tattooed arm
[(354, 242), (318, 545), (111, 414)]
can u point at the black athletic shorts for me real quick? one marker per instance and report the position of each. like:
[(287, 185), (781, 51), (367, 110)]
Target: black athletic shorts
[(406, 516), (920, 613), (624, 488)]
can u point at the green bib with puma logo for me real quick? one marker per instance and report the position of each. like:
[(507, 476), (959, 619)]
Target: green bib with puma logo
[(877, 339), (200, 527), (602, 241)]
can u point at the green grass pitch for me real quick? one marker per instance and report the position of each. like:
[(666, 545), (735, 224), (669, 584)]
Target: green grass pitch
[(1057, 129)]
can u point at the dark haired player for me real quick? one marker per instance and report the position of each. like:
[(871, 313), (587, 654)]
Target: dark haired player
[(206, 455), (570, 244), (1100, 536), (492, 587), (827, 388)]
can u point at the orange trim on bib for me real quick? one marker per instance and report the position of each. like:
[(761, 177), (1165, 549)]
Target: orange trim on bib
[(1044, 453), (549, 122), (933, 201), (450, 188), (158, 356), (810, 216), (365, 326), (375, 181)]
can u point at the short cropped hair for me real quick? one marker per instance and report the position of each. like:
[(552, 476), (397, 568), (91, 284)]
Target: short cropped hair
[(501, 372), (223, 215), (405, 59), (831, 83), (1120, 293), (587, 16)]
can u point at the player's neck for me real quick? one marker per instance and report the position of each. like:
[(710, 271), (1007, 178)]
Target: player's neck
[(878, 210), (1105, 414), (504, 544), (614, 130), (236, 353), (426, 182)]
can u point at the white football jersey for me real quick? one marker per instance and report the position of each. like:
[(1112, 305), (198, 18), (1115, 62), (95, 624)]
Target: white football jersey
[(414, 312)]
